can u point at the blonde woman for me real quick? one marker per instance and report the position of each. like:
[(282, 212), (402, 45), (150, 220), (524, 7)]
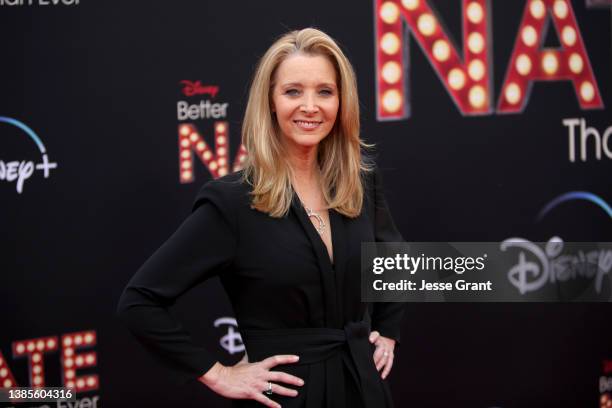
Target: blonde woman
[(284, 237)]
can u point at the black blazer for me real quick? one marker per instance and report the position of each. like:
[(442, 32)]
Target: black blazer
[(276, 271)]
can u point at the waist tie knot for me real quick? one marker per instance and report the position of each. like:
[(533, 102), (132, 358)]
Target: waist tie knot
[(325, 350)]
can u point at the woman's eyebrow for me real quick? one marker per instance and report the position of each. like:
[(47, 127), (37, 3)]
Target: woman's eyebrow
[(291, 84), (327, 84)]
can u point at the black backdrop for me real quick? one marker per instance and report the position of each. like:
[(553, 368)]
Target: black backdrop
[(99, 82)]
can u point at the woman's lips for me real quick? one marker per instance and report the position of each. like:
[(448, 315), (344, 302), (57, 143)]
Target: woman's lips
[(307, 124)]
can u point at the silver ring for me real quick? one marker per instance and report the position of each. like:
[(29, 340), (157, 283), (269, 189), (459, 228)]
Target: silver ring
[(269, 390), (386, 353)]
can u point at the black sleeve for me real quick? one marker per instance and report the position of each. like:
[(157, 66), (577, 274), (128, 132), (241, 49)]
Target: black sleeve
[(386, 316), (202, 247)]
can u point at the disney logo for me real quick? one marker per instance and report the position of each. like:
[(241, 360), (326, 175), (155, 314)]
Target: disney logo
[(196, 88), (19, 171), (551, 266), (232, 341)]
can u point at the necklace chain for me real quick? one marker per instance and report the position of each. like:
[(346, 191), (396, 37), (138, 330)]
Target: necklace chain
[(311, 213)]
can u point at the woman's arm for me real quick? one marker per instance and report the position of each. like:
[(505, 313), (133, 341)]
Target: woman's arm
[(386, 316), (203, 246)]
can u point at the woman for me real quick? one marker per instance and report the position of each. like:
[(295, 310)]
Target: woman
[(284, 237)]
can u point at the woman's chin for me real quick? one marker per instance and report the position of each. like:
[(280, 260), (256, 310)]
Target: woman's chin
[(307, 140)]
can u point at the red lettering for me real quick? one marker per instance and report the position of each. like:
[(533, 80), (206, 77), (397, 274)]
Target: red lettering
[(217, 161), (71, 361), (35, 349), (466, 79), (531, 62), (6, 376)]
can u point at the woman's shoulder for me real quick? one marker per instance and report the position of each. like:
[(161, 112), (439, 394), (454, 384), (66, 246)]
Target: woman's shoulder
[(233, 183), (370, 177), (374, 188), (230, 191), (373, 177)]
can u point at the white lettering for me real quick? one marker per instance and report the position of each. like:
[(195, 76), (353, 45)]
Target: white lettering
[(232, 341), (25, 171), (605, 384), (599, 141), (11, 170), (38, 2), (204, 110), (20, 171), (585, 132), (400, 285), (463, 285), (571, 123), (377, 267), (551, 266), (84, 402), (606, 139), (435, 285), (181, 107), (415, 265)]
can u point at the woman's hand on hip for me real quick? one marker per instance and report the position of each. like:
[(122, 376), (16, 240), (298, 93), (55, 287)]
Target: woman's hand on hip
[(249, 380), (383, 355)]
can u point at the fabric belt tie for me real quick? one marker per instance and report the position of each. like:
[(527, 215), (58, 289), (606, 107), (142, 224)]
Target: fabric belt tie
[(325, 350)]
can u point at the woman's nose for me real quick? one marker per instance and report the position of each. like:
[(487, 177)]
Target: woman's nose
[(309, 104)]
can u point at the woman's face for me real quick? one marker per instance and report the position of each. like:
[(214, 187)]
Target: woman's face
[(305, 99)]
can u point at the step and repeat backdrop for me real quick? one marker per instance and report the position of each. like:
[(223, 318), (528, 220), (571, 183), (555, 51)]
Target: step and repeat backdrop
[(491, 121)]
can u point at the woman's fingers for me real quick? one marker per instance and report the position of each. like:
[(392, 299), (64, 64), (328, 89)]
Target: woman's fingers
[(388, 366), (278, 376), (380, 358), (280, 390), (378, 353), (383, 355), (252, 380), (273, 361), (259, 397)]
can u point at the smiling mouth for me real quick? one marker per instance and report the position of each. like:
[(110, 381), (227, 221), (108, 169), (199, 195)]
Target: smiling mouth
[(307, 124)]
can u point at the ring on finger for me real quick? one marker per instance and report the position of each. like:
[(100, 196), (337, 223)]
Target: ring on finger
[(385, 353), (269, 391)]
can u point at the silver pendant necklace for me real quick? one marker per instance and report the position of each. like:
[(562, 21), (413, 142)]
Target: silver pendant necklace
[(321, 228)]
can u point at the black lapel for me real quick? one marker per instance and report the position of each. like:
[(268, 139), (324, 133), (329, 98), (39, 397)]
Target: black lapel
[(332, 314), (340, 243)]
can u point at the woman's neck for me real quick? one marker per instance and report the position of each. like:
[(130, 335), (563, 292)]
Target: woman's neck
[(304, 165), (306, 176)]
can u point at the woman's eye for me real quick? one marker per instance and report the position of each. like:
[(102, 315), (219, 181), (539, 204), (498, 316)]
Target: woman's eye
[(292, 92), (326, 92)]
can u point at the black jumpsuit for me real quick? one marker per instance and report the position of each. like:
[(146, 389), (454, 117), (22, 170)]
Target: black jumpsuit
[(287, 296)]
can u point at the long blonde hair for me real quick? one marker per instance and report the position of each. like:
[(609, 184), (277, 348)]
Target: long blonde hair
[(339, 154)]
